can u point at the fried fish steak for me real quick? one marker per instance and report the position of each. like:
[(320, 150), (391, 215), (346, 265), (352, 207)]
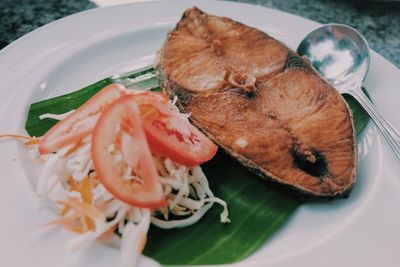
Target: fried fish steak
[(260, 102)]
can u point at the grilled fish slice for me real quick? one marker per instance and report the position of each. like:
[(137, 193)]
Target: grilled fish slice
[(261, 103)]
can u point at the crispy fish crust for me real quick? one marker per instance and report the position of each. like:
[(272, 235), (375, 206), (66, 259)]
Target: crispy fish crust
[(261, 103)]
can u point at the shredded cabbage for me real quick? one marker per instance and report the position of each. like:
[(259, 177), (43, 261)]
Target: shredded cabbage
[(68, 182)]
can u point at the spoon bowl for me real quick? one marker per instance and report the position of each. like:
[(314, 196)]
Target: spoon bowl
[(341, 56), (339, 53)]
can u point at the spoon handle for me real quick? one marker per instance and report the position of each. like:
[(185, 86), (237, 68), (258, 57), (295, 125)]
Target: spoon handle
[(391, 134)]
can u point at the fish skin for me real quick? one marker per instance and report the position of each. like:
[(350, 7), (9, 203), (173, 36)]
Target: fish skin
[(260, 102)]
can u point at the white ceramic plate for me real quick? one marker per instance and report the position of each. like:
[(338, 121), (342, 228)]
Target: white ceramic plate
[(81, 49)]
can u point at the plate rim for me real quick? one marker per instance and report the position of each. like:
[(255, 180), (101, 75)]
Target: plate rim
[(15, 44)]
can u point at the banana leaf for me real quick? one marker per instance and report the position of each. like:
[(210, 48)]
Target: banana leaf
[(144, 79), (257, 209)]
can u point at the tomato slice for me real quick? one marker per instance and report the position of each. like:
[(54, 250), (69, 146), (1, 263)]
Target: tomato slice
[(146, 97), (171, 135), (80, 123), (120, 128), (174, 137)]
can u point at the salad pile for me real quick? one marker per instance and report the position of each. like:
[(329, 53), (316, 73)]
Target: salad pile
[(122, 161)]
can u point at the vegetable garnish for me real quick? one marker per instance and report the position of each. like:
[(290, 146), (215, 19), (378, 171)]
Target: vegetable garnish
[(80, 123), (121, 161), (173, 137), (122, 158), (28, 140)]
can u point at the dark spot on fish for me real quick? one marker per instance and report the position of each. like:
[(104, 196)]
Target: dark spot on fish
[(184, 97), (295, 61), (271, 115), (250, 94), (184, 15), (247, 94), (311, 162)]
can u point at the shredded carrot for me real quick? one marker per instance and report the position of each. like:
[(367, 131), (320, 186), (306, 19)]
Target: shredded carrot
[(69, 223), (83, 208), (143, 242), (32, 141), (87, 223), (85, 189), (77, 222), (108, 233), (74, 228), (64, 210), (74, 148), (15, 136), (87, 212), (74, 185)]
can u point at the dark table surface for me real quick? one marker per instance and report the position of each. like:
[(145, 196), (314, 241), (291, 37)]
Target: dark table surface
[(378, 21)]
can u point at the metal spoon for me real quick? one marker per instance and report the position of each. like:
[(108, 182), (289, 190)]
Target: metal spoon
[(341, 55)]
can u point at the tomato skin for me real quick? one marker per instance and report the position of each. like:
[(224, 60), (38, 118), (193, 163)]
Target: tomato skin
[(170, 135), (84, 119), (125, 113), (182, 152), (147, 97)]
